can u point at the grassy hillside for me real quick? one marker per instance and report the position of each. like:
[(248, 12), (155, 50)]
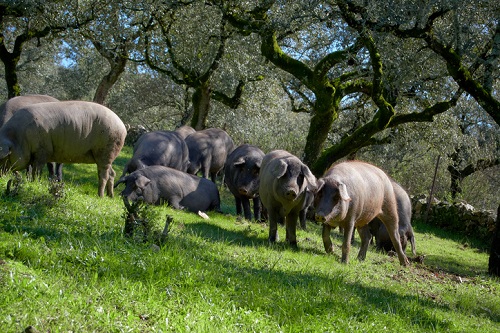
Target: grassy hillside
[(65, 266)]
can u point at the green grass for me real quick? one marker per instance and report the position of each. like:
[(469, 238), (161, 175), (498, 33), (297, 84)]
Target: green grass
[(66, 266)]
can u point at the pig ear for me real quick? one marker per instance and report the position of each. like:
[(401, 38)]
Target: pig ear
[(319, 185), (5, 148), (311, 180), (141, 182), (343, 192), (239, 162), (279, 168), (121, 180)]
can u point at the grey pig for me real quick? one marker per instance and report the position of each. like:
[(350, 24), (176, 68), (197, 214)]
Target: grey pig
[(284, 182), (185, 130), (208, 150), (8, 108), (165, 148), (63, 132), (379, 231)]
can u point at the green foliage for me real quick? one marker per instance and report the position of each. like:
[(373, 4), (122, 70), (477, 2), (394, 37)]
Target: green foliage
[(66, 265)]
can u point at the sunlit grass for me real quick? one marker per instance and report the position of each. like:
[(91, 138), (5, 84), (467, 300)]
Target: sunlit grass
[(66, 266)]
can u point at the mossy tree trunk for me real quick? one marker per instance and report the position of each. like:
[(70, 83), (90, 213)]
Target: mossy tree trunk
[(201, 106), (24, 15), (11, 79), (117, 62), (328, 93), (326, 111)]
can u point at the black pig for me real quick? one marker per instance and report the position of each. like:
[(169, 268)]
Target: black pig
[(242, 178), (208, 150), (158, 184)]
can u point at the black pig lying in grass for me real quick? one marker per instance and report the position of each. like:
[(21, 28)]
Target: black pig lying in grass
[(158, 184)]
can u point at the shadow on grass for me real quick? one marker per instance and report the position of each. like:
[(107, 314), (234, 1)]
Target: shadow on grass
[(306, 294), (290, 297), (250, 236)]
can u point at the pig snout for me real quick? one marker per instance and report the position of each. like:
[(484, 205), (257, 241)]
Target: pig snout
[(290, 194), (247, 192), (320, 218)]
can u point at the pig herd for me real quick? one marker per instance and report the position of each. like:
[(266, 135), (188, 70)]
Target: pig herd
[(165, 164)]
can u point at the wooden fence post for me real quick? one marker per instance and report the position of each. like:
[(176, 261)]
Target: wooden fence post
[(429, 200)]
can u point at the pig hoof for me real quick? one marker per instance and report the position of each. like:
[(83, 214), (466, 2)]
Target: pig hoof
[(329, 249)]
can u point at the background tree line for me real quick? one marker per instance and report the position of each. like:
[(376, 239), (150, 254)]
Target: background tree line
[(395, 83)]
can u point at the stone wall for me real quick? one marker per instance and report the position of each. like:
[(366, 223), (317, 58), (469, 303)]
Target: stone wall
[(459, 216)]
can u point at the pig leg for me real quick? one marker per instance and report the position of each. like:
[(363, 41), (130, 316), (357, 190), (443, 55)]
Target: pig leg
[(264, 215), (110, 181), (291, 228), (51, 167), (175, 202), (238, 205), (411, 238), (205, 169), (391, 225), (302, 218), (38, 161), (59, 175), (246, 208), (55, 171), (256, 208), (346, 244), (327, 242), (102, 173), (274, 219), (365, 235)]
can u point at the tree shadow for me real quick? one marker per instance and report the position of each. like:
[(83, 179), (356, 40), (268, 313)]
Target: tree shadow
[(278, 289), (247, 237), (281, 288)]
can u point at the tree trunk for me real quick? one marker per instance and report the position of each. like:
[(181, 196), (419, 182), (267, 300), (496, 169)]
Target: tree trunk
[(494, 262), (457, 176), (456, 180), (10, 64), (201, 106), (117, 67), (325, 113)]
